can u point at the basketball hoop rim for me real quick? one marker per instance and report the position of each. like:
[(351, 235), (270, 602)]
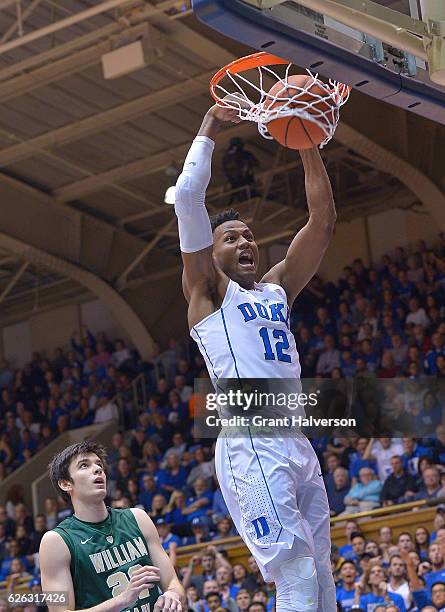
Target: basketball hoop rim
[(248, 62)]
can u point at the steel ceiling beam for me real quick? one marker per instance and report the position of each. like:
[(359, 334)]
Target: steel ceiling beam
[(99, 122), (122, 280), (26, 13), (142, 167), (110, 33), (103, 7), (14, 280), (57, 69)]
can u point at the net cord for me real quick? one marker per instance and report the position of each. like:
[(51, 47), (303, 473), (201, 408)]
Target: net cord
[(321, 109)]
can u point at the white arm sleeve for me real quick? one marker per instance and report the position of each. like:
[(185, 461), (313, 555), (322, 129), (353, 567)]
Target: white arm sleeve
[(195, 232)]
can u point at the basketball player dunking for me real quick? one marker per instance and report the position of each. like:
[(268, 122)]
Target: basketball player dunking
[(273, 487), (105, 560)]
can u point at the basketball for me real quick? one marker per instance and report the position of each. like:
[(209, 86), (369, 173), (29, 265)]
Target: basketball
[(295, 132)]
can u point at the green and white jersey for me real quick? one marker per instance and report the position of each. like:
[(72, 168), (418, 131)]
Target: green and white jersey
[(103, 557)]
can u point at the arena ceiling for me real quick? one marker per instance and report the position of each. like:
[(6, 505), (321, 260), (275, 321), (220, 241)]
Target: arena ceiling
[(85, 162)]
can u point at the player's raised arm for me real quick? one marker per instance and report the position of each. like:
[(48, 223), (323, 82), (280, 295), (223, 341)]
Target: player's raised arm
[(195, 233), (306, 250), (55, 562)]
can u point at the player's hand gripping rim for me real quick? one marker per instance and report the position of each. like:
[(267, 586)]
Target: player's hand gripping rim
[(168, 602)]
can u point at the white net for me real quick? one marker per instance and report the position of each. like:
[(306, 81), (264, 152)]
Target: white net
[(316, 101)]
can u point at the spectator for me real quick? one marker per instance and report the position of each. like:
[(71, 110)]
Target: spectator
[(239, 575), (358, 544), (224, 528), (203, 469), (197, 504), (375, 581), (121, 356), (439, 445), (417, 315), (124, 473), (399, 485), (148, 490), (227, 590), (381, 451), (437, 350), (431, 487), (365, 495), (40, 528), (422, 542), (214, 601), (200, 531), (436, 557), (430, 416), (175, 510), (257, 607), (397, 580), (337, 492), (398, 351), (158, 507), (174, 476), (345, 593), (329, 358), (243, 600), (255, 579), (105, 410), (358, 460)]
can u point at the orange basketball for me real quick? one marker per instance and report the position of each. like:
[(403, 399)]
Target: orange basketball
[(295, 132)]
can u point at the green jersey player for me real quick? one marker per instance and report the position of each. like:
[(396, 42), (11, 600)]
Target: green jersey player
[(106, 560)]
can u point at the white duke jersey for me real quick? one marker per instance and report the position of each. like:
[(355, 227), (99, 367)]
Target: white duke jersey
[(249, 336)]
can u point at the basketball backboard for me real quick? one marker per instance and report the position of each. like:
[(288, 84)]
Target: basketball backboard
[(394, 60)]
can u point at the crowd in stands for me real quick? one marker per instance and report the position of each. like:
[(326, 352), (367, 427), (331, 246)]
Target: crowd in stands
[(386, 324)]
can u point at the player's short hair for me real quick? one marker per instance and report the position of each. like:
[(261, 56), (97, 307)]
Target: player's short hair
[(59, 466), (223, 216)]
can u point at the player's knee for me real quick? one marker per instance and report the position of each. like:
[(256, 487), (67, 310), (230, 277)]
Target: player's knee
[(297, 585)]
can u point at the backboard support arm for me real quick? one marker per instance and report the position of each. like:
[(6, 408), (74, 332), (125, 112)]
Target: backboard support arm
[(423, 39)]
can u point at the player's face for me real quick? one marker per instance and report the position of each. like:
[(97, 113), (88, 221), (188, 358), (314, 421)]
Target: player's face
[(88, 477), (235, 252)]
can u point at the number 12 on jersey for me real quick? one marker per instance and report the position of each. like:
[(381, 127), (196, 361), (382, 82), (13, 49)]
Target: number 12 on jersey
[(280, 346)]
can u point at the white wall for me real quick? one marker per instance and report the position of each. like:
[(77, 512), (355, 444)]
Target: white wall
[(46, 331), (98, 318), (17, 347), (348, 242), (53, 328), (386, 231)]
